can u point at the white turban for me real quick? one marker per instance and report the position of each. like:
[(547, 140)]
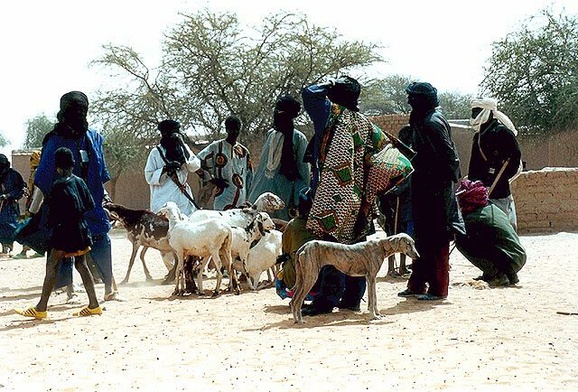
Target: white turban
[(490, 105)]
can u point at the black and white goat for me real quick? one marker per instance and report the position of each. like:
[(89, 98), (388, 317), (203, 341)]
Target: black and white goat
[(144, 229)]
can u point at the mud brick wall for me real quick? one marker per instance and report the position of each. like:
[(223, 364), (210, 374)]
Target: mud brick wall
[(547, 200)]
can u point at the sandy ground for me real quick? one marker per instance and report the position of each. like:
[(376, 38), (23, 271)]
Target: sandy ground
[(479, 339)]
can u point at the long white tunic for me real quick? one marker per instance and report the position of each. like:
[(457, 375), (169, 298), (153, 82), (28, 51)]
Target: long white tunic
[(163, 188), (232, 163)]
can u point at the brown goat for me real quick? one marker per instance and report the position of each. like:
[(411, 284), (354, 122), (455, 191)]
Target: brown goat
[(144, 229)]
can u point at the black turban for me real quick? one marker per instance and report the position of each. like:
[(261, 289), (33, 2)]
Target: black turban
[(345, 92), (172, 142), (421, 88), (4, 163), (71, 117), (168, 127), (422, 95), (73, 98), (288, 105)]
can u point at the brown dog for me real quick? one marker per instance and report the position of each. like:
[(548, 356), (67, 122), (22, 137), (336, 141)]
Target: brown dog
[(361, 259)]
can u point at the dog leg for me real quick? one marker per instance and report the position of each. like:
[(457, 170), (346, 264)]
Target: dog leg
[(372, 297), (306, 275)]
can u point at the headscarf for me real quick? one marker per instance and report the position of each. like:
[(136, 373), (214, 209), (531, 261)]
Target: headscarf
[(172, 142), (422, 97), (71, 117), (286, 110), (345, 92), (471, 195), (305, 202), (34, 162), (490, 106), (34, 159), (4, 163)]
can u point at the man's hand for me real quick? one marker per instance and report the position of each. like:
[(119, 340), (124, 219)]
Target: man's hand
[(327, 84), (282, 258), (220, 183), (3, 196), (172, 167), (106, 199)]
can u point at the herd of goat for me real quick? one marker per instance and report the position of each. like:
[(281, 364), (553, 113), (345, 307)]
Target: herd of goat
[(246, 241)]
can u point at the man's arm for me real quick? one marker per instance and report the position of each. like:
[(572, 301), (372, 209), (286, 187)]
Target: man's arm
[(317, 105)]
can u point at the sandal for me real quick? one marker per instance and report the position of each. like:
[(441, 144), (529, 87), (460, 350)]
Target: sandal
[(112, 296), (430, 297), (408, 293), (86, 311), (32, 312)]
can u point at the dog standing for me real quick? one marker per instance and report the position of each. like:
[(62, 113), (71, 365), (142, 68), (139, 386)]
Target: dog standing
[(361, 259)]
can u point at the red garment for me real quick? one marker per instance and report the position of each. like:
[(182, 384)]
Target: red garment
[(431, 272), (471, 195)]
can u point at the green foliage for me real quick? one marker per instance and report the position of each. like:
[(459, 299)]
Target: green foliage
[(385, 96), (534, 73), (455, 105), (3, 141), (388, 96), (212, 67), (36, 129)]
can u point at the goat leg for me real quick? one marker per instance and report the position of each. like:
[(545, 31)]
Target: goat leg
[(130, 262), (144, 265), (170, 276), (190, 286)]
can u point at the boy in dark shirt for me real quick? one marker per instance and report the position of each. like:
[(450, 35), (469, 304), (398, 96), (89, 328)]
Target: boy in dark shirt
[(67, 202)]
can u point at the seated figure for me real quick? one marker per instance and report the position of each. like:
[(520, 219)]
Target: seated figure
[(491, 243)]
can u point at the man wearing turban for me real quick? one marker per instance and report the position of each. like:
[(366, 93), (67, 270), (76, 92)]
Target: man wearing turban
[(12, 187), (87, 146), (281, 169), (434, 207), (341, 211), (167, 169), (29, 193), (490, 242), (227, 163), (496, 156)]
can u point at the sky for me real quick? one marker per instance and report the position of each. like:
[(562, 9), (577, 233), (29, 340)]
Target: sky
[(47, 46)]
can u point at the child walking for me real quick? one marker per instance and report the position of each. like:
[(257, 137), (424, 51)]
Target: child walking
[(67, 202)]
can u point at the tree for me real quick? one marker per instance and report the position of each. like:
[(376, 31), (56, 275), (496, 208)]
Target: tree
[(212, 67), (455, 105), (3, 141), (385, 96), (388, 96), (533, 73), (36, 129)]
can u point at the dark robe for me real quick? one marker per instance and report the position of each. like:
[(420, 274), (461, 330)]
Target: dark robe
[(69, 200)]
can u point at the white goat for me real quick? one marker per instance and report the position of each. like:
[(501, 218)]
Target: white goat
[(262, 257), (206, 239), (243, 238)]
